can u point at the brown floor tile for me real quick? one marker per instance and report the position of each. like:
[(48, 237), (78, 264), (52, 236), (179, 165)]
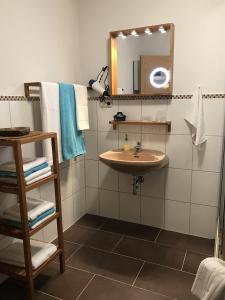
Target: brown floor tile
[(11, 290), (106, 264), (192, 261), (131, 229), (102, 289), (184, 241), (151, 252), (66, 286), (175, 284), (91, 221), (90, 237), (69, 248)]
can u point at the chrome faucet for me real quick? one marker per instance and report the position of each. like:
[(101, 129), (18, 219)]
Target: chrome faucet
[(138, 147)]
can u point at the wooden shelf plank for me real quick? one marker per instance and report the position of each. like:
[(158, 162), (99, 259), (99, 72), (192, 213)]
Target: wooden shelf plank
[(18, 233), (33, 136), (20, 273), (141, 122), (12, 188)]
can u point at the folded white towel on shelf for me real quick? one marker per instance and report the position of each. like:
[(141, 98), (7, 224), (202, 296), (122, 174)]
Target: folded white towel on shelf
[(209, 283), (50, 115), (42, 220), (14, 253), (196, 119), (28, 164), (35, 208), (81, 97), (37, 174), (39, 178)]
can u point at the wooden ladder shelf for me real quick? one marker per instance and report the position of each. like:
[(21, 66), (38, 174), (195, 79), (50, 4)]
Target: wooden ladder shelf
[(27, 274)]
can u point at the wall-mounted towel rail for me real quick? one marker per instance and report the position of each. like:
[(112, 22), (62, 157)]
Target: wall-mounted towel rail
[(32, 89)]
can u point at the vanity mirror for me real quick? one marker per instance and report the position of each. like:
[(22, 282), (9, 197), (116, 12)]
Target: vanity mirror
[(141, 60)]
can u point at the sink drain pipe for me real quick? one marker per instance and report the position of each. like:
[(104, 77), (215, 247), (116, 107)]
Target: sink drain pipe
[(137, 181)]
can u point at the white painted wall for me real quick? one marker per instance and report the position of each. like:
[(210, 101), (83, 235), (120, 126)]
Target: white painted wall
[(183, 197), (39, 42)]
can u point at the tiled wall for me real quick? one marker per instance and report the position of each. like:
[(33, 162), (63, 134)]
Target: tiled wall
[(24, 113), (184, 196)]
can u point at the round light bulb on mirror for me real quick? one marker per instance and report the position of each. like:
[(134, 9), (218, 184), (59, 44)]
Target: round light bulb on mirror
[(162, 29), (159, 78), (134, 33), (148, 31), (121, 35)]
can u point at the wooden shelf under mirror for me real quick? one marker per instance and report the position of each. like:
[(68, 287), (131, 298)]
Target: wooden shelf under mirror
[(136, 122)]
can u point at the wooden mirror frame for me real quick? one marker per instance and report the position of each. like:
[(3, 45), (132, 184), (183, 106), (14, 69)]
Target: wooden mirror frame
[(114, 57)]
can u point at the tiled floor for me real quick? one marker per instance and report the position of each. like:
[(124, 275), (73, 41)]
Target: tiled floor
[(116, 260)]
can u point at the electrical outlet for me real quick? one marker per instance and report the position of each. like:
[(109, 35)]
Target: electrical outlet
[(106, 104)]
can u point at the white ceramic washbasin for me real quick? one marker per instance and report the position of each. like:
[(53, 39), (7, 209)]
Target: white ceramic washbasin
[(133, 162)]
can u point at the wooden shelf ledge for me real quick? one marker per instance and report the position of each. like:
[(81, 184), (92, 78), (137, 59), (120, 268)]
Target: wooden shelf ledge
[(18, 233), (136, 122)]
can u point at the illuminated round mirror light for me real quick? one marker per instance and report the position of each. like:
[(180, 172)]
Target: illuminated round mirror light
[(165, 81)]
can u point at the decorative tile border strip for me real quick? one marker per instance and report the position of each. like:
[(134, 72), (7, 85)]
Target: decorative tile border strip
[(123, 97)]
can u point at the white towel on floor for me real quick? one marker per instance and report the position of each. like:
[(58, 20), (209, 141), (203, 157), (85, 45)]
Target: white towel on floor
[(196, 119), (35, 207), (50, 115), (81, 107), (14, 254), (28, 164), (43, 176), (209, 283)]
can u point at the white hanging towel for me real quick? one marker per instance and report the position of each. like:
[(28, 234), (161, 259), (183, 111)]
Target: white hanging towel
[(50, 117), (81, 107), (209, 283), (196, 119)]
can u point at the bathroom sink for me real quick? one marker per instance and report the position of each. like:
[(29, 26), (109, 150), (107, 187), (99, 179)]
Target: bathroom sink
[(133, 162)]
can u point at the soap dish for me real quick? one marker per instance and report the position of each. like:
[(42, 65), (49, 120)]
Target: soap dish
[(14, 131)]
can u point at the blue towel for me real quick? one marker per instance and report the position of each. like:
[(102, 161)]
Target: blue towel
[(72, 138), (31, 223), (26, 173)]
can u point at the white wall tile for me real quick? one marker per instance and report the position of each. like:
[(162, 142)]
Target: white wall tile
[(212, 109), (125, 183), (22, 114), (209, 157), (130, 207), (91, 141), (79, 204), (106, 114), (66, 182), (107, 141), (154, 110), (154, 184), (132, 109), (92, 200), (108, 178), (68, 213), (203, 221), (179, 151), (6, 154), (152, 211), (177, 216), (47, 192), (91, 173), (205, 188), (133, 138), (78, 176), (6, 201), (178, 184), (92, 112), (109, 204), (154, 142), (177, 111), (50, 232), (5, 114)]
